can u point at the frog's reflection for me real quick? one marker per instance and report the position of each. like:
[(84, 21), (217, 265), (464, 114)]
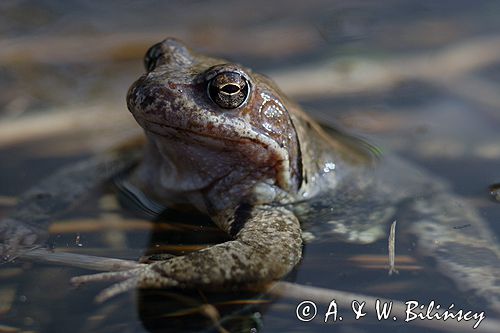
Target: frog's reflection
[(195, 311)]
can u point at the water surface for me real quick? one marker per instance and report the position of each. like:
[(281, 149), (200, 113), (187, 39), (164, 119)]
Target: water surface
[(417, 78)]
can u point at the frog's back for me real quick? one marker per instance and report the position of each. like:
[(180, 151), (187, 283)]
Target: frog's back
[(364, 201)]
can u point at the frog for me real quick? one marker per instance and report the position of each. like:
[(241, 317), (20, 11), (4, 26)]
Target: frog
[(225, 141)]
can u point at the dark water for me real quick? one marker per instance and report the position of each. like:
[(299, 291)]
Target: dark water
[(418, 78)]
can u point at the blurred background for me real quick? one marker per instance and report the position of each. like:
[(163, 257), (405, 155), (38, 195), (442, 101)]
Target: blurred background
[(417, 78)]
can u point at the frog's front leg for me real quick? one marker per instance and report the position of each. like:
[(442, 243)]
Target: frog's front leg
[(267, 244)]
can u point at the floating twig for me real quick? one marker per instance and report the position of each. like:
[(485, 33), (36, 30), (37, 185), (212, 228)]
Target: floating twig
[(392, 248)]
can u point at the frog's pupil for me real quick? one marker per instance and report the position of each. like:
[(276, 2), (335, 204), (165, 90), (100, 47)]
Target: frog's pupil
[(230, 88)]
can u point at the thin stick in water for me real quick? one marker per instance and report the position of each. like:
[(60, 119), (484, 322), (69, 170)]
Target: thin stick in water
[(392, 248)]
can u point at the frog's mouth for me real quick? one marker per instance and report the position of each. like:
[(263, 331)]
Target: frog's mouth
[(237, 139), (184, 134)]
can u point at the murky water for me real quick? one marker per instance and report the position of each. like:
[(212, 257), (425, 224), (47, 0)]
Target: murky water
[(417, 78)]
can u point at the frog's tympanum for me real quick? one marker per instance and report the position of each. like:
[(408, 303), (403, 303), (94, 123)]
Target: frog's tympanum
[(226, 142)]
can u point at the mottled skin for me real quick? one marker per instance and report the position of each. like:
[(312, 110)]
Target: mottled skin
[(240, 165), (225, 141)]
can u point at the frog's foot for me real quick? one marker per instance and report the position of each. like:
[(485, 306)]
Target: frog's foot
[(16, 237), (267, 246), (141, 277)]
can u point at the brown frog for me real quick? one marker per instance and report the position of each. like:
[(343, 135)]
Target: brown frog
[(225, 141)]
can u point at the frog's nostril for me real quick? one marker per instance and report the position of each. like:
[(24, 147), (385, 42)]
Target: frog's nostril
[(151, 57)]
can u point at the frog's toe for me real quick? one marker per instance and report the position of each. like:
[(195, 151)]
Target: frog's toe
[(142, 277), (107, 276), (11, 251), (117, 288), (128, 281), (16, 237)]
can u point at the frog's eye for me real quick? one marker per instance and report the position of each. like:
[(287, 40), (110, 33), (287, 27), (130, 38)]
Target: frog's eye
[(152, 56), (228, 90)]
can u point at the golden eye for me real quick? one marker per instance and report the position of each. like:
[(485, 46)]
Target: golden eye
[(228, 90)]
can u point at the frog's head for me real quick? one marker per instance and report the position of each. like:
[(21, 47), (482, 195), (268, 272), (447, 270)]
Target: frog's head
[(213, 121)]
